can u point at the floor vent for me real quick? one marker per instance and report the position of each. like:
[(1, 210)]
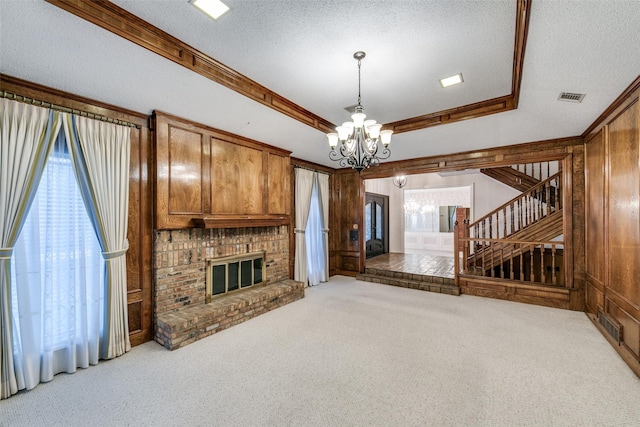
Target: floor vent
[(571, 97), (612, 327)]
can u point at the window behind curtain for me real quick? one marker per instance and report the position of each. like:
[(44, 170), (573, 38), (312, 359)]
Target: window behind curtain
[(57, 266), (314, 240)]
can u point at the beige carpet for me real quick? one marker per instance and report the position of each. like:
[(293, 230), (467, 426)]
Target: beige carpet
[(358, 354)]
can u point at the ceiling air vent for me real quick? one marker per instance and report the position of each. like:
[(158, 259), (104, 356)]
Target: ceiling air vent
[(571, 97)]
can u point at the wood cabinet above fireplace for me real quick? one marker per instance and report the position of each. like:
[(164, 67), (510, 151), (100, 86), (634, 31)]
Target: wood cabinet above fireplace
[(210, 178)]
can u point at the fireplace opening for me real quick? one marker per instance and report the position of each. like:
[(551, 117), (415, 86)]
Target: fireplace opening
[(233, 273)]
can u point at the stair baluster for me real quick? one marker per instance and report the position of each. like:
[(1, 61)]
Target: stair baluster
[(488, 251), (521, 267), (531, 268), (504, 217), (553, 265)]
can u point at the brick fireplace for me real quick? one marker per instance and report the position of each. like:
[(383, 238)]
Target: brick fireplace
[(180, 258)]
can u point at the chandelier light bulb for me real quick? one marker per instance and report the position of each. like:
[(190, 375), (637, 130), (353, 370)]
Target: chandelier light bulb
[(350, 125), (358, 119), (374, 131), (385, 136), (333, 140), (343, 132)]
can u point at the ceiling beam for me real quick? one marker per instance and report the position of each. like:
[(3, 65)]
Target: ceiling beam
[(123, 23), (489, 106), (118, 21)]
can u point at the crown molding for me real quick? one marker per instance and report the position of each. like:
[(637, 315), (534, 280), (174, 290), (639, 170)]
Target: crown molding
[(123, 23)]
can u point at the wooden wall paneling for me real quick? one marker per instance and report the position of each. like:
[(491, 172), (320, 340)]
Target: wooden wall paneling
[(624, 194), (348, 203), (139, 233), (236, 179), (612, 172), (595, 249), (335, 220), (181, 172), (623, 211), (574, 223), (207, 177), (185, 157), (567, 213), (139, 295), (141, 300), (630, 325), (278, 184)]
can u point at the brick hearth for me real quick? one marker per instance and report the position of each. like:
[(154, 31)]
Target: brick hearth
[(179, 268), (179, 328)]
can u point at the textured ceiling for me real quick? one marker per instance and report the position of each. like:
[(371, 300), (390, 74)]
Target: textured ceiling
[(303, 50)]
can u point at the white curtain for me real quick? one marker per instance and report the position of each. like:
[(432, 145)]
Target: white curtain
[(323, 187), (314, 238), (304, 185), (100, 154), (27, 133), (57, 293)]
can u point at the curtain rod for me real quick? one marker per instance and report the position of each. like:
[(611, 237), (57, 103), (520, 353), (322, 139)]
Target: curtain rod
[(310, 169), (27, 100)]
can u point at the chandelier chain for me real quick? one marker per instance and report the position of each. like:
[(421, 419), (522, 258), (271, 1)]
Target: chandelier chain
[(359, 61)]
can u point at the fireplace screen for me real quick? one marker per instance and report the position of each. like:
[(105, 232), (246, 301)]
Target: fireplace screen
[(231, 273)]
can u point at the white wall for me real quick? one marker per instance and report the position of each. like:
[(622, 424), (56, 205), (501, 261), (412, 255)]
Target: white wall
[(488, 195)]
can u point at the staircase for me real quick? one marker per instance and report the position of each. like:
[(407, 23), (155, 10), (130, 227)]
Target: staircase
[(511, 177), (518, 240), (523, 176), (544, 230)]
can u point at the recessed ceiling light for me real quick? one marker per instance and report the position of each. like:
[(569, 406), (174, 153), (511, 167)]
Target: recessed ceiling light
[(213, 8), (450, 81)]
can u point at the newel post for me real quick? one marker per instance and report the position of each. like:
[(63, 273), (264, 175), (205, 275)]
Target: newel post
[(461, 231)]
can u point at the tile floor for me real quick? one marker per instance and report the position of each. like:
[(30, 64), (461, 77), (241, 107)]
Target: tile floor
[(429, 265)]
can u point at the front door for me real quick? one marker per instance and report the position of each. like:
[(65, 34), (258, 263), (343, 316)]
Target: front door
[(376, 214)]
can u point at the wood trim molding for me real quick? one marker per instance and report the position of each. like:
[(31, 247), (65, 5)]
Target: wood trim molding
[(478, 109), (552, 149), (221, 134), (68, 100), (123, 23), (522, 31), (621, 100), (489, 106), (304, 164), (234, 221)]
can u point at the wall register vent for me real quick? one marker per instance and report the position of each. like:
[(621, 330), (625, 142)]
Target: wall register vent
[(611, 326), (571, 97)]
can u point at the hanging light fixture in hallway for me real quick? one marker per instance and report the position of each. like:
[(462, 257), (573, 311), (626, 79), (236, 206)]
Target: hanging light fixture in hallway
[(357, 143)]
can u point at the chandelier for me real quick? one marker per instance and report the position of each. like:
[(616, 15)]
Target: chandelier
[(357, 142)]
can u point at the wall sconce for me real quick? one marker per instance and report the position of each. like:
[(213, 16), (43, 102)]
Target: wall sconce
[(400, 181)]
